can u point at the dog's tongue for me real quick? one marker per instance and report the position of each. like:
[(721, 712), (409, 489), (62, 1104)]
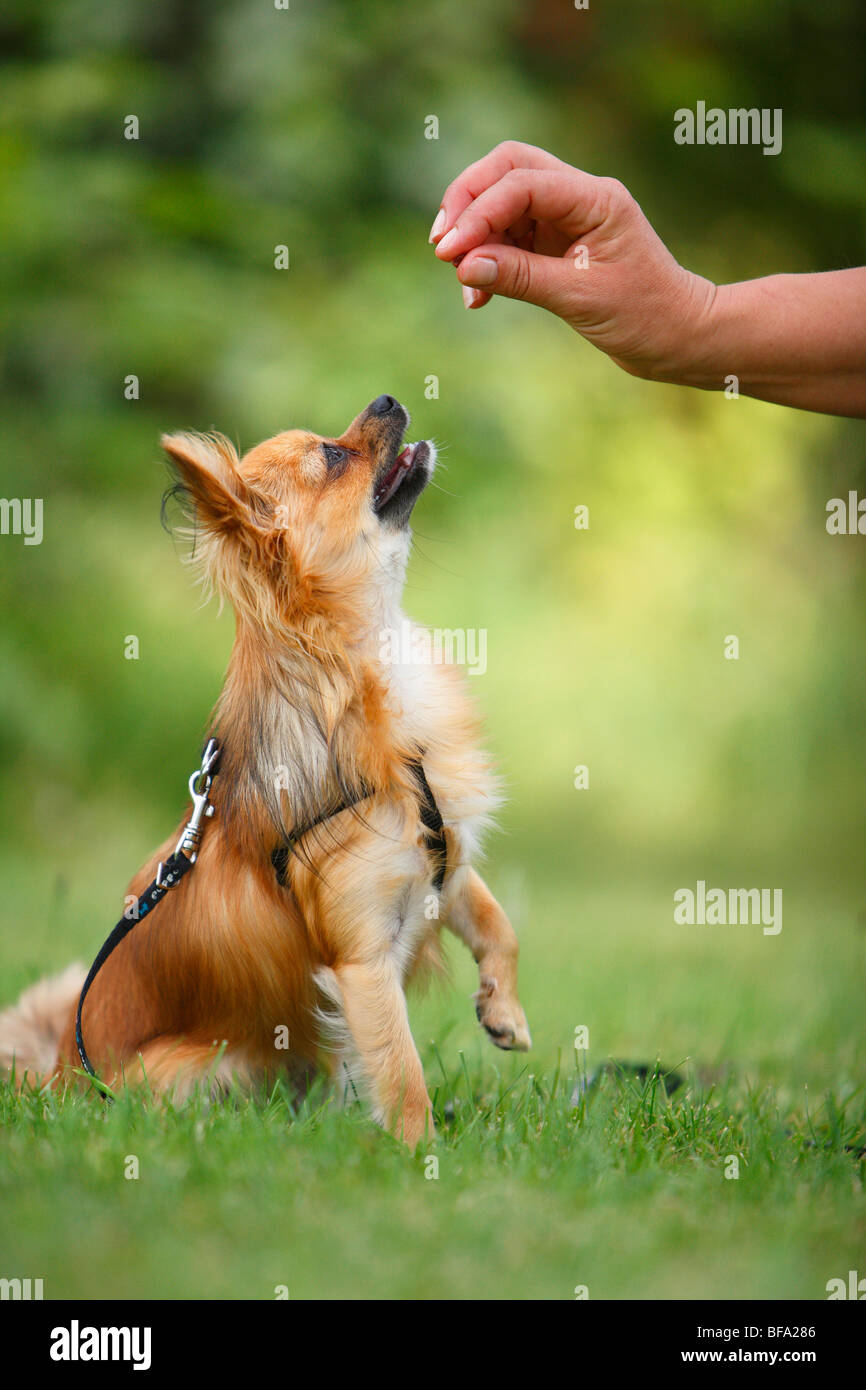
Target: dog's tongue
[(395, 475)]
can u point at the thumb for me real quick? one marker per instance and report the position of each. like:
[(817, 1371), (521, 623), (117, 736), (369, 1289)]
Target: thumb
[(518, 274)]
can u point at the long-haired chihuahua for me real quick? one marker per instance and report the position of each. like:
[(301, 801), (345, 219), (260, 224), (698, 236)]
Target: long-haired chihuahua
[(351, 798)]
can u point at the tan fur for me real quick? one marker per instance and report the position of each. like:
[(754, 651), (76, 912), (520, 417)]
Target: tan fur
[(308, 712), (30, 1030)]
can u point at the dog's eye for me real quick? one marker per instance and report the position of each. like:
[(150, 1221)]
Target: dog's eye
[(334, 455)]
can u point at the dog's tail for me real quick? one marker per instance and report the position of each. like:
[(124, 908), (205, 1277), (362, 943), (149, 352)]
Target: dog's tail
[(30, 1031)]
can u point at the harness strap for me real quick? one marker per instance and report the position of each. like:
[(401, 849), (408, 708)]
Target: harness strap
[(431, 819), (280, 856)]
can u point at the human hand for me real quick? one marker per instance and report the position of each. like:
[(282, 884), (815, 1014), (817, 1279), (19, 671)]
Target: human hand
[(524, 224)]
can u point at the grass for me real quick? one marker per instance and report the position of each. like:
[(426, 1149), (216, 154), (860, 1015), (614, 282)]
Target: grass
[(622, 1190), (624, 1193)]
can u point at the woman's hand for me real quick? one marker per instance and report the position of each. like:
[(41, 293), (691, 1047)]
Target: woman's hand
[(523, 224)]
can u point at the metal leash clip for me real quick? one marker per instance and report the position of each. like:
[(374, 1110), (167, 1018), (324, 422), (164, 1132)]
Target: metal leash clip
[(200, 783)]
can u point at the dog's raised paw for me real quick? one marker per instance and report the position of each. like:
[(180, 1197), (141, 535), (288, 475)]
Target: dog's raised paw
[(503, 1020)]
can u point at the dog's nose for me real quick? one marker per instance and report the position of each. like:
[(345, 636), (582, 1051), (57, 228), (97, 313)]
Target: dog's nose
[(383, 405)]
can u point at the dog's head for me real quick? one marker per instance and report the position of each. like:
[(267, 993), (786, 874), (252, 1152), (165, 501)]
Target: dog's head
[(309, 518)]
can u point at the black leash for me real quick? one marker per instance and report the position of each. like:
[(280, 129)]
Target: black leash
[(179, 863), (168, 876)]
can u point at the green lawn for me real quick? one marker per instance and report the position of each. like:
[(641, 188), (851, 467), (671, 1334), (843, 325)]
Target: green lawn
[(624, 1193)]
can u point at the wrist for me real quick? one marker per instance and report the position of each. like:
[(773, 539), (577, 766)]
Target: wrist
[(693, 353)]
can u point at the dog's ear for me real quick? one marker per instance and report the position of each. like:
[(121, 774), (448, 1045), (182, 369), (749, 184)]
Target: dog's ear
[(206, 465)]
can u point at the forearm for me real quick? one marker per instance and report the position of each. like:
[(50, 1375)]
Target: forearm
[(797, 340)]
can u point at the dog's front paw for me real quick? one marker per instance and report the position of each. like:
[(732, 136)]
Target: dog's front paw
[(501, 1018)]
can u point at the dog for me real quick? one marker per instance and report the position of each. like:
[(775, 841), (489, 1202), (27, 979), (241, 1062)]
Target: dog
[(350, 803)]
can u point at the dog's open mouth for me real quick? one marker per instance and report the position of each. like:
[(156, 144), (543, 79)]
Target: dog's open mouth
[(400, 483)]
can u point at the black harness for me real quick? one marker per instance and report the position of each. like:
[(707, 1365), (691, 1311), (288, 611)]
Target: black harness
[(431, 819), (181, 860)]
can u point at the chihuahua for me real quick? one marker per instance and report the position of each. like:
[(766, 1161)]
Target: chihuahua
[(350, 802)]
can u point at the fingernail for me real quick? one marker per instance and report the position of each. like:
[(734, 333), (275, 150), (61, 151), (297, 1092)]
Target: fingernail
[(438, 226), (448, 241), (482, 271), (470, 297)]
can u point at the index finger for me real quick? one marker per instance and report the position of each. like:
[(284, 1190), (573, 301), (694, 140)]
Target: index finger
[(478, 177), (574, 202)]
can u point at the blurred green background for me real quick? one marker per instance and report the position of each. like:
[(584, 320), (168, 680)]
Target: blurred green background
[(155, 257)]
